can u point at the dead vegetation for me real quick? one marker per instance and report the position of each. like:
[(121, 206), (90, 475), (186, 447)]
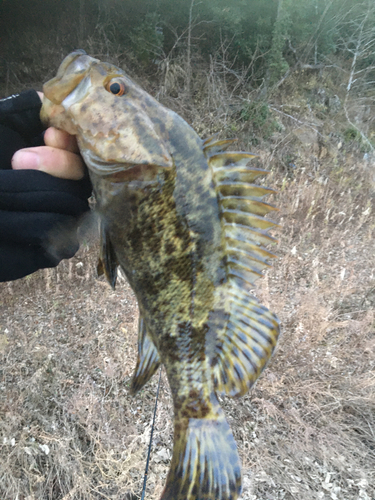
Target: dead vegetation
[(69, 429)]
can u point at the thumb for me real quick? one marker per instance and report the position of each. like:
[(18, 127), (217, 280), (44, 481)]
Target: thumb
[(57, 162)]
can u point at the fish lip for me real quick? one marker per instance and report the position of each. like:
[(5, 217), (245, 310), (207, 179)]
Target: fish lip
[(71, 72), (68, 60), (78, 93)]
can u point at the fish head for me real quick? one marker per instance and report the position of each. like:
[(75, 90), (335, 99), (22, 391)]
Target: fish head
[(116, 122)]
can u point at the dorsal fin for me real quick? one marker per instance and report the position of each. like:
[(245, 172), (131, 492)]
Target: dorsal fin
[(249, 334), (211, 139), (242, 207), (212, 146), (148, 360)]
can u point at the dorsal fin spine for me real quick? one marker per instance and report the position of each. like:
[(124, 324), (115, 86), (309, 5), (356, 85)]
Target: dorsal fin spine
[(247, 204), (210, 139), (213, 147), (246, 259), (249, 276), (248, 337), (257, 250), (247, 219), (255, 236), (230, 158)]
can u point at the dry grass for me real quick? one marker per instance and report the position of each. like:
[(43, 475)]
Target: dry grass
[(69, 430), (315, 406)]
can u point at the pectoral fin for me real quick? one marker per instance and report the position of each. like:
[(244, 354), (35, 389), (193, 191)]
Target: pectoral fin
[(148, 360), (246, 344), (107, 264)]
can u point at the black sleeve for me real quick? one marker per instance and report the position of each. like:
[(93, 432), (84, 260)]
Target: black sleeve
[(20, 113), (39, 213)]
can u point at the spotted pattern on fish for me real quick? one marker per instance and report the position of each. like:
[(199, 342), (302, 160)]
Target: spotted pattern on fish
[(184, 220)]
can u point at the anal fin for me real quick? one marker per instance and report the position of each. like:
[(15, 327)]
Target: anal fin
[(148, 360)]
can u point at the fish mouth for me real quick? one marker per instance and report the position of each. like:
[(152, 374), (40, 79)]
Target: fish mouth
[(116, 170), (74, 68)]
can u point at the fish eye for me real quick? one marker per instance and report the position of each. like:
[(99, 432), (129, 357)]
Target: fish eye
[(116, 87)]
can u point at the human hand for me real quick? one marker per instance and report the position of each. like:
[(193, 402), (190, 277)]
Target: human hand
[(58, 157), (39, 213)]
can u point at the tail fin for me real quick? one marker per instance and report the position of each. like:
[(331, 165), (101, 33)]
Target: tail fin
[(205, 463)]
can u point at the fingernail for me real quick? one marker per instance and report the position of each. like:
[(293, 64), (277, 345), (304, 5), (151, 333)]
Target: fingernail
[(24, 160)]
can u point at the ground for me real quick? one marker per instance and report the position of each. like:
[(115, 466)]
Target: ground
[(70, 430)]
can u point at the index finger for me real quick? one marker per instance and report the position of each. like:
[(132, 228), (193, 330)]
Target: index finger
[(60, 139)]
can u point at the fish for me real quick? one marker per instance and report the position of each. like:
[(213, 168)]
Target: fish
[(184, 220)]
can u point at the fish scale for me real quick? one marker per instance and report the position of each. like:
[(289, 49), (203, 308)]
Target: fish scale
[(184, 220)]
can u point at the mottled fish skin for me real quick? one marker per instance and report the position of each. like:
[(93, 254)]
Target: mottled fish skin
[(184, 222)]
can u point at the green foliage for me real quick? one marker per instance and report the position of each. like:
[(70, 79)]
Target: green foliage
[(147, 39), (314, 25), (267, 37), (248, 24), (258, 114), (352, 134), (277, 63)]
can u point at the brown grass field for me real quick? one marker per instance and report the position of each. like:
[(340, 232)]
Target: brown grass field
[(69, 429)]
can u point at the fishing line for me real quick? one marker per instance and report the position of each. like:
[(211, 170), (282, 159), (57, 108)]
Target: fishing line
[(149, 446)]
